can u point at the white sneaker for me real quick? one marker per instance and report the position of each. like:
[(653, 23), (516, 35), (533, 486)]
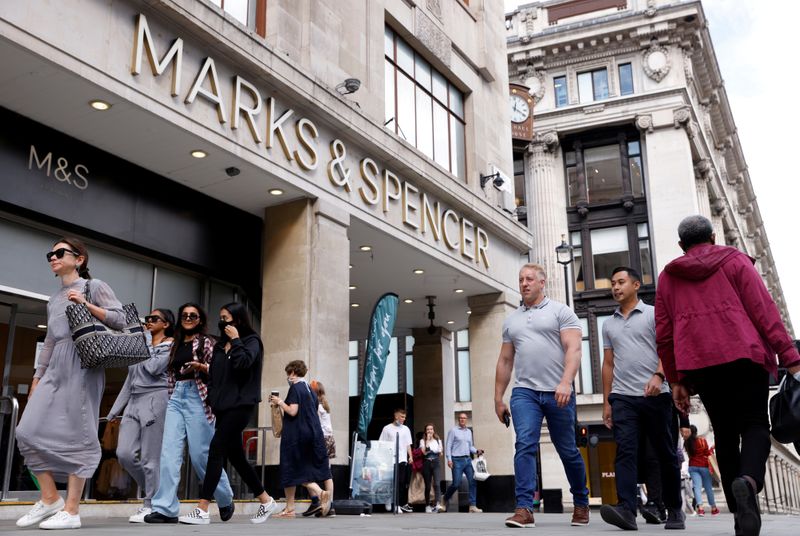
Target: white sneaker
[(61, 520), (39, 512), (264, 511), (195, 517), (388, 507), (428, 509), (138, 517), (435, 509)]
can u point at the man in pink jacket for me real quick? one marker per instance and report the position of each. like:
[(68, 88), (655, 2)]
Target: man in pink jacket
[(718, 332)]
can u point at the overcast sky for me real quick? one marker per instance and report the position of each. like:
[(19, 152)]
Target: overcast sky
[(754, 50)]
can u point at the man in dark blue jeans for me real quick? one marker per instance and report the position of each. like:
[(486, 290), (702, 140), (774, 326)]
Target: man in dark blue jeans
[(542, 345), (458, 450), (637, 399)]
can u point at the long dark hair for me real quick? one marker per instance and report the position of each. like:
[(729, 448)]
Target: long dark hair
[(169, 319), (241, 319), (80, 247), (425, 432), (689, 442), (180, 333)]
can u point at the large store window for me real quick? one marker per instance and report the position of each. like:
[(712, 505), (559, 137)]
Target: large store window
[(422, 107), (604, 173), (251, 13), (519, 188), (583, 380), (607, 248)]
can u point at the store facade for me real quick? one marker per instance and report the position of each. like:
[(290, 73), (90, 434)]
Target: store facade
[(307, 203)]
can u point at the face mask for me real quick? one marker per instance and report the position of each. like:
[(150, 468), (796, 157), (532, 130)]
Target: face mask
[(221, 324)]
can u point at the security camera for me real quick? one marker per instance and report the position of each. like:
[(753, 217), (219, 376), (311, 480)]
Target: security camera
[(352, 84), (498, 182), (232, 171)]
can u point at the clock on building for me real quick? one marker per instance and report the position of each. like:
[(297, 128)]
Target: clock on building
[(521, 107)]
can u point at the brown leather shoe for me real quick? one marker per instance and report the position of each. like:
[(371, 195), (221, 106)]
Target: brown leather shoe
[(522, 519), (580, 516)]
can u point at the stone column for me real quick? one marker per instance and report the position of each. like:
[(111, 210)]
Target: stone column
[(305, 311), (717, 220), (548, 215), (433, 401), (702, 175)]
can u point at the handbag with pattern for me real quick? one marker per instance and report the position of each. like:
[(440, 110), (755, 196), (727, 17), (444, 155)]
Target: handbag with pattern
[(98, 345)]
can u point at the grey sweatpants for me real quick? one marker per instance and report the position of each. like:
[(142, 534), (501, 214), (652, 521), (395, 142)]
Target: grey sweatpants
[(139, 444)]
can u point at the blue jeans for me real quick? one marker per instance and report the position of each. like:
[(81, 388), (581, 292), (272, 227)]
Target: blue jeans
[(185, 421), (701, 478), (528, 408), (462, 465)]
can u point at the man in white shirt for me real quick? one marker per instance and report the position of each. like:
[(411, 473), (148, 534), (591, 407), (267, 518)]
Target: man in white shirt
[(397, 429)]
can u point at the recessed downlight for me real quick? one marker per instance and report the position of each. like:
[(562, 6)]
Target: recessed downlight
[(419, 271), (353, 287), (365, 248), (276, 191), (41, 326), (451, 321), (197, 153), (100, 105), (350, 266), (408, 300), (354, 305), (458, 290), (469, 312)]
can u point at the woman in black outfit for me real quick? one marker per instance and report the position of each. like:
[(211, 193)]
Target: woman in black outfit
[(234, 391)]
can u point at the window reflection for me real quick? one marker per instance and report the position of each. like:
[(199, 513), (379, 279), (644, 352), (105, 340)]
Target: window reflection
[(609, 250), (603, 174)]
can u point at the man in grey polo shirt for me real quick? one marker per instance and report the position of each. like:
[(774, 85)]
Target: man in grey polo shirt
[(637, 399), (542, 343)]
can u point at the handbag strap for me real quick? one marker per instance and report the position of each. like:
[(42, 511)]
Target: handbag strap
[(87, 292)]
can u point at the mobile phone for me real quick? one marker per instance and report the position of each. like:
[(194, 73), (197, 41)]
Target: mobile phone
[(507, 419), (274, 393)]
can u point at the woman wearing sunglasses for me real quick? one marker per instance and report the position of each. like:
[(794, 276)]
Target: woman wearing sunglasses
[(144, 397), (233, 393), (57, 434), (189, 417)]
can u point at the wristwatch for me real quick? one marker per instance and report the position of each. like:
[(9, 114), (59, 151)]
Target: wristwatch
[(660, 375)]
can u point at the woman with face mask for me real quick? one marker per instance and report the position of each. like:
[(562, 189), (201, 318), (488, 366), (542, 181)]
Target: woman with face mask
[(144, 397), (57, 434), (189, 417), (233, 394)]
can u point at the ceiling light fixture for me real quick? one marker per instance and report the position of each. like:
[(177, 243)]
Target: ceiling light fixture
[(354, 305), (41, 326), (353, 287), (419, 271), (469, 312), (197, 153), (350, 266), (99, 105), (458, 290), (365, 248), (451, 322), (276, 191), (408, 300)]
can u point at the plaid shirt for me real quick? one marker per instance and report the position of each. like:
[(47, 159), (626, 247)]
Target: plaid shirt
[(202, 388)]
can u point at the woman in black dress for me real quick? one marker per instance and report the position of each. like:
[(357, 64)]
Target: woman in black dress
[(304, 458)]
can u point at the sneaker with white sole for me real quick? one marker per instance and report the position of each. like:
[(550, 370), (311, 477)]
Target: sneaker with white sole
[(40, 512), (429, 509), (264, 511), (138, 517), (61, 520), (195, 517)]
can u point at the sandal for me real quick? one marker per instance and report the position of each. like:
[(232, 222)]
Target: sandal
[(285, 514)]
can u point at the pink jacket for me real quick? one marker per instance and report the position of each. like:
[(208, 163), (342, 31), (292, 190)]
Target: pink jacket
[(712, 308)]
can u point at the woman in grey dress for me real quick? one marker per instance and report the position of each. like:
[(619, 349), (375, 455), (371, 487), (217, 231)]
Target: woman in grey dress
[(57, 434)]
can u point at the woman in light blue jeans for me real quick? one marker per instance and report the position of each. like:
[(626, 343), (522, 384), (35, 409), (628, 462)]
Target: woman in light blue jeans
[(699, 453), (189, 418)]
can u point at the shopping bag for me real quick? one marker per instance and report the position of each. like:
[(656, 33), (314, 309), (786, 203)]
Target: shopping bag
[(479, 468), (784, 411), (277, 420), (416, 489)]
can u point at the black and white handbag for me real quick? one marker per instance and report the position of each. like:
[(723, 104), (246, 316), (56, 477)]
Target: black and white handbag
[(98, 345)]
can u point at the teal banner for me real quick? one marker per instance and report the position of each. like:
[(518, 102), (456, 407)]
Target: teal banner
[(381, 326)]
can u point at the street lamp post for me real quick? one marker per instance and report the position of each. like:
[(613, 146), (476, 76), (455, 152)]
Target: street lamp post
[(564, 257)]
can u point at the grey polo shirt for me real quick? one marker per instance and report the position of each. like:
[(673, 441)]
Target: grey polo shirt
[(535, 333), (633, 341)]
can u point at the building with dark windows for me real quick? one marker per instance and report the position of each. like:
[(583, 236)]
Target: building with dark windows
[(302, 157), (632, 132)]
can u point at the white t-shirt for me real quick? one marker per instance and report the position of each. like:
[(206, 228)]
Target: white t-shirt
[(434, 444), (392, 430), (325, 421)]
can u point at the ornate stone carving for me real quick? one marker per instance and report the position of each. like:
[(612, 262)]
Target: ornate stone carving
[(644, 123), (681, 116), (435, 7), (688, 68), (656, 62), (702, 169), (535, 80), (651, 8), (547, 141), (432, 37)]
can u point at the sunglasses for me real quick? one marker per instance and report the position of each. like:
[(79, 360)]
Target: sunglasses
[(59, 253), (190, 316), (153, 319)]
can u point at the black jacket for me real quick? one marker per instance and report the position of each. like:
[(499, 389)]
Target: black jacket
[(236, 376)]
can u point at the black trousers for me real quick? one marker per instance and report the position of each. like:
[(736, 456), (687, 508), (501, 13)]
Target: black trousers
[(430, 473), (649, 465), (735, 396), (402, 483), (652, 415), (227, 444)]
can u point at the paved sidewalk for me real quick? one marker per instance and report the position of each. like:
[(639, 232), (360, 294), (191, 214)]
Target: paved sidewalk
[(416, 524)]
